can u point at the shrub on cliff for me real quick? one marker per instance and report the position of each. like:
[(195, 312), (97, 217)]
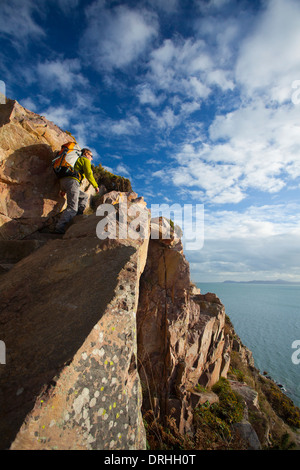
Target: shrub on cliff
[(230, 407), (213, 422), (281, 404), (110, 181), (208, 421)]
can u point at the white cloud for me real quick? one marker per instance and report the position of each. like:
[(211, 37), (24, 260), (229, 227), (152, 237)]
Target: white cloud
[(147, 96), (253, 147), (261, 242), (82, 133), (61, 116), (221, 79), (153, 161), (60, 74), (108, 168), (123, 170), (17, 22), (185, 73), (167, 119), (115, 157), (29, 104), (223, 33), (253, 222), (117, 36), (269, 59), (180, 67), (195, 88), (128, 126)]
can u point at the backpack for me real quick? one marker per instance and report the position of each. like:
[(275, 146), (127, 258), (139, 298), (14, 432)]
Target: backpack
[(64, 162)]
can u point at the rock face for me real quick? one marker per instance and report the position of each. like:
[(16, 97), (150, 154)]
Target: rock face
[(29, 189), (92, 319), (244, 428), (68, 322), (181, 338), (71, 380)]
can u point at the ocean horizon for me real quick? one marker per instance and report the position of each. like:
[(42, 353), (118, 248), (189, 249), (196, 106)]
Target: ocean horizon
[(266, 318)]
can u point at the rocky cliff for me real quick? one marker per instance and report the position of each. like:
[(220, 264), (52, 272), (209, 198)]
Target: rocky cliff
[(108, 342), (28, 187), (181, 339)]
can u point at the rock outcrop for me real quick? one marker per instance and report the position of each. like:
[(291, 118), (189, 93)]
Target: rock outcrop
[(29, 189), (103, 324), (68, 322), (181, 341), (68, 308)]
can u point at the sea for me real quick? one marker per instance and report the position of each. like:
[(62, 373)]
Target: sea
[(266, 317)]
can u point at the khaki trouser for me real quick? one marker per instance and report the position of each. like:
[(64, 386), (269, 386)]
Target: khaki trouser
[(76, 201)]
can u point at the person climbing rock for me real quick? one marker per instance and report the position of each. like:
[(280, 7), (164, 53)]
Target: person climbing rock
[(70, 186)]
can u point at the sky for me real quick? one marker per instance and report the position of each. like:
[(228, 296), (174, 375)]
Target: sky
[(196, 102)]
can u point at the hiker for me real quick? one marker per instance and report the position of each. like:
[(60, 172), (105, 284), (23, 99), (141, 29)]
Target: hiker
[(70, 185)]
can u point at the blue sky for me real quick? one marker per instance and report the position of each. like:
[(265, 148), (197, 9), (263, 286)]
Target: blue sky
[(197, 102)]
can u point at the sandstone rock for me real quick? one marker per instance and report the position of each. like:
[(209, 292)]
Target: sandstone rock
[(247, 433), (249, 395), (116, 197), (180, 341), (208, 297), (29, 189), (226, 357), (163, 229), (12, 251), (244, 353), (69, 306), (199, 398), (71, 378), (194, 290)]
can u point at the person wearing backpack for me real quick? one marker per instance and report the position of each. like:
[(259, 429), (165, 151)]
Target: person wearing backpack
[(70, 185)]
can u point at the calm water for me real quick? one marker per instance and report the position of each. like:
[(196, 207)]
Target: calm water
[(267, 319)]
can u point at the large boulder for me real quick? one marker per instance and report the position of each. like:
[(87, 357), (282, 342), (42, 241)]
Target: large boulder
[(68, 320), (29, 189)]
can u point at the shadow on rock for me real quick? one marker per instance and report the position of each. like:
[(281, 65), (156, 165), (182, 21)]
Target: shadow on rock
[(50, 302), (29, 191)]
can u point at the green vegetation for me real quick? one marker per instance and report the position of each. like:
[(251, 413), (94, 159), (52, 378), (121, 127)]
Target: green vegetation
[(230, 407), (200, 388), (69, 133), (172, 224), (276, 421), (281, 404), (165, 437), (110, 181), (240, 376), (239, 370), (213, 424), (285, 443), (228, 321)]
